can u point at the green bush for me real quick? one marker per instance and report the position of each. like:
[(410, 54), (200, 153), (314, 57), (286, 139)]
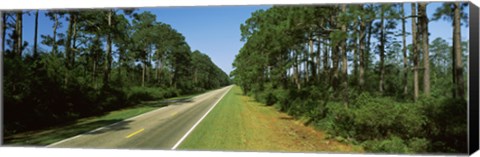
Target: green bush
[(137, 94), (113, 98), (334, 118), (266, 95), (446, 125), (170, 92), (418, 145), (380, 124), (391, 145), (283, 99), (382, 117)]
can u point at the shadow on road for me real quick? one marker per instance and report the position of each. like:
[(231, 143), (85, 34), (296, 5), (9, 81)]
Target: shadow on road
[(55, 134), (122, 125), (177, 101), (163, 103), (40, 139)]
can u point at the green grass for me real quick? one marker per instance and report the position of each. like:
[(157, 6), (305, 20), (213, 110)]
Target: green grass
[(58, 133), (227, 126), (238, 123)]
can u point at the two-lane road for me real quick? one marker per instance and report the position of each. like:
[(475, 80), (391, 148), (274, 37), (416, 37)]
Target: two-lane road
[(163, 128)]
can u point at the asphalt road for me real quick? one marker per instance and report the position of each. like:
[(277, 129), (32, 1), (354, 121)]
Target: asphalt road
[(163, 128)]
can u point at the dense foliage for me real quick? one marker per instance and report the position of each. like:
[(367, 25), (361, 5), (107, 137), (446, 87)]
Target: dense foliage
[(347, 69), (106, 60)]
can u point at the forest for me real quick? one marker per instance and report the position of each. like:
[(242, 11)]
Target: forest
[(347, 69), (105, 60)]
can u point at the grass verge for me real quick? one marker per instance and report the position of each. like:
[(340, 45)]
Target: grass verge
[(238, 123)]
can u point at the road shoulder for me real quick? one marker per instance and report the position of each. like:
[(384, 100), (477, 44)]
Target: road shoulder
[(238, 123)]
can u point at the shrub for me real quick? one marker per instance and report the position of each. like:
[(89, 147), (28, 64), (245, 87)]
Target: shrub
[(418, 145), (283, 100), (266, 95), (380, 124), (447, 124), (169, 92), (137, 94), (113, 98), (393, 144), (339, 120)]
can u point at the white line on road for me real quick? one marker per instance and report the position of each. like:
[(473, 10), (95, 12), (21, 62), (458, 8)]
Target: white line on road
[(100, 128), (198, 122), (132, 118)]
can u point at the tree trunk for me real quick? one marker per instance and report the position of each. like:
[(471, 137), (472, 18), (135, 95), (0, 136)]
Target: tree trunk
[(35, 53), (415, 53), (18, 34), (368, 46), (94, 75), (454, 61), (312, 60), (382, 49), (74, 46), (319, 59), (144, 68), (335, 57), (158, 68), (4, 29), (68, 48), (361, 42), (121, 53), (426, 61), (295, 71), (458, 52), (54, 44), (108, 63), (147, 72), (356, 50), (284, 73), (195, 77), (94, 70), (405, 62), (336, 61), (161, 65), (305, 66), (344, 60), (325, 58), (143, 73)]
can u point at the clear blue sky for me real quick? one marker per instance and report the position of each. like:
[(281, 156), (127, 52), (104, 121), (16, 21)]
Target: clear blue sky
[(215, 30)]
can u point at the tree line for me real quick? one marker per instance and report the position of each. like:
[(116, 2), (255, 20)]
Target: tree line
[(105, 60), (348, 70)]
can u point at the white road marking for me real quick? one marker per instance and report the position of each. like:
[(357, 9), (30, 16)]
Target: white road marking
[(100, 128), (198, 122)]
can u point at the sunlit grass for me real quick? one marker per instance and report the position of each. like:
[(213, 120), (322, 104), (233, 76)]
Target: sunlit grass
[(238, 123)]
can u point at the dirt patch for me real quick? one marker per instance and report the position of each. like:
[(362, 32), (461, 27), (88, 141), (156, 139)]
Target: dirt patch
[(271, 130)]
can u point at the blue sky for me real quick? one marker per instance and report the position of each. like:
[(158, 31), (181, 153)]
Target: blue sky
[(215, 30)]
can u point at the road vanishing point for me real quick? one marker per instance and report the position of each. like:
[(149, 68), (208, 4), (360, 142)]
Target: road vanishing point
[(163, 128)]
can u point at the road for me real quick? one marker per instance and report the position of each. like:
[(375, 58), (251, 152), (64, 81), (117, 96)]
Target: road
[(163, 128)]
